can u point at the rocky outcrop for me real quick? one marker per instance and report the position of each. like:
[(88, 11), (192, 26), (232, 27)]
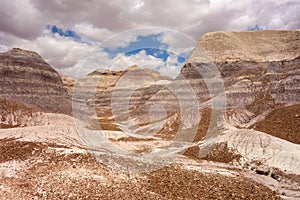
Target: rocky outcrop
[(260, 71), (252, 46), (103, 95), (27, 78), (68, 83)]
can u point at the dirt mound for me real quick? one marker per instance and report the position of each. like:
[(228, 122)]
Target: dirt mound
[(282, 122), (177, 183)]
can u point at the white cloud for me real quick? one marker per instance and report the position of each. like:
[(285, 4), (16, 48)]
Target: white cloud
[(3, 48), (141, 59), (172, 67), (62, 53), (95, 59), (138, 6), (179, 43), (111, 17), (169, 68), (88, 31), (20, 18)]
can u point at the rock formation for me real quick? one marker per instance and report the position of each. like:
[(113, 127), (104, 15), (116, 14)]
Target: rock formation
[(27, 78), (252, 46), (94, 94), (68, 83), (260, 70)]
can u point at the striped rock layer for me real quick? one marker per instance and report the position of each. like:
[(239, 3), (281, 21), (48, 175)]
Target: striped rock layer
[(26, 78)]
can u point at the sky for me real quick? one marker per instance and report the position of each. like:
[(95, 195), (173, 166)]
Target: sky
[(77, 37)]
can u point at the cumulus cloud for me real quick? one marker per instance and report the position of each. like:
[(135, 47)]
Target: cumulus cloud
[(23, 23), (172, 66), (178, 43), (122, 61), (193, 17), (20, 18), (169, 68), (57, 50), (90, 32)]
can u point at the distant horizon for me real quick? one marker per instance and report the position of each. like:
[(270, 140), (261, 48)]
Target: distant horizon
[(148, 51)]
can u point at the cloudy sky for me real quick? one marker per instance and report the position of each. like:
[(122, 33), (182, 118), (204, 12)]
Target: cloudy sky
[(158, 34)]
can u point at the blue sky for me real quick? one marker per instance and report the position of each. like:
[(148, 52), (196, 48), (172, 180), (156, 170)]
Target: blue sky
[(65, 33), (149, 43), (254, 28)]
